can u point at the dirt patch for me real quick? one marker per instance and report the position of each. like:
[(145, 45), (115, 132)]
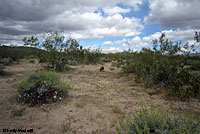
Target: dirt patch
[(94, 106)]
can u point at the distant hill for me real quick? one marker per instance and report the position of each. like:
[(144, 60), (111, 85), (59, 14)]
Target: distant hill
[(20, 48), (18, 52)]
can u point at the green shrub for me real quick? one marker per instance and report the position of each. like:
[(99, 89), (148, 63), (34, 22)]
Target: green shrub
[(68, 68), (106, 60), (32, 61), (114, 64), (1, 69), (194, 64), (92, 57), (17, 112), (56, 49), (31, 57), (164, 66), (6, 61), (73, 62), (42, 87), (158, 122), (111, 68), (195, 83)]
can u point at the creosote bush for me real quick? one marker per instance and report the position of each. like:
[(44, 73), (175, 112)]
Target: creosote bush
[(1, 69), (32, 61), (6, 61), (59, 52), (158, 122), (167, 65), (42, 87)]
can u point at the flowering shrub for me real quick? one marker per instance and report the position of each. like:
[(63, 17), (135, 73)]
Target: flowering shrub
[(42, 87)]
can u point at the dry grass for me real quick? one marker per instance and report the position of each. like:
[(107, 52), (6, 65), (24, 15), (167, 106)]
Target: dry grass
[(94, 106)]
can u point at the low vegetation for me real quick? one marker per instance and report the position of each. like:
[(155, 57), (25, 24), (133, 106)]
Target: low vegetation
[(174, 67), (15, 53), (16, 112), (42, 87), (158, 122), (167, 65), (1, 69), (58, 52)]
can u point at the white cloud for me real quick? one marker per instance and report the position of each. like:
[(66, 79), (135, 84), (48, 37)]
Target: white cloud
[(124, 45), (136, 40), (173, 35), (120, 41), (92, 47), (79, 19), (142, 44), (115, 10), (107, 43), (180, 34), (112, 50), (192, 42), (94, 25), (135, 3), (174, 13)]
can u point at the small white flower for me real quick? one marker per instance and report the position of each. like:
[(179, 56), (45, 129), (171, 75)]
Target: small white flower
[(54, 97), (60, 98), (56, 92)]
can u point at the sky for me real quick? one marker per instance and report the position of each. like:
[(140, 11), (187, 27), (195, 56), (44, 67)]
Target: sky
[(111, 25)]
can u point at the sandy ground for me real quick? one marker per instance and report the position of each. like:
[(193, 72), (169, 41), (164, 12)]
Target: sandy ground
[(95, 104)]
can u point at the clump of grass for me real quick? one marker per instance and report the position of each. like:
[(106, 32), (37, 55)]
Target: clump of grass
[(112, 68), (42, 87), (81, 104), (99, 115), (114, 64), (116, 109), (66, 127), (106, 60), (73, 62), (158, 122), (6, 61), (68, 68), (32, 61), (17, 112)]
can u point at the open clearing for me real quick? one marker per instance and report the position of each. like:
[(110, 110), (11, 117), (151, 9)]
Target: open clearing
[(94, 106)]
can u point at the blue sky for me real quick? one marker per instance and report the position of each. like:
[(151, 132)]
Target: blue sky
[(113, 26)]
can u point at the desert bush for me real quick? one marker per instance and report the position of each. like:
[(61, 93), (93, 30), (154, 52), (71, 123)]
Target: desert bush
[(58, 53), (158, 122), (114, 64), (42, 87), (16, 112), (73, 62), (163, 66), (106, 60), (92, 57), (1, 69), (56, 49), (6, 61), (195, 83), (32, 61), (111, 68), (194, 64)]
